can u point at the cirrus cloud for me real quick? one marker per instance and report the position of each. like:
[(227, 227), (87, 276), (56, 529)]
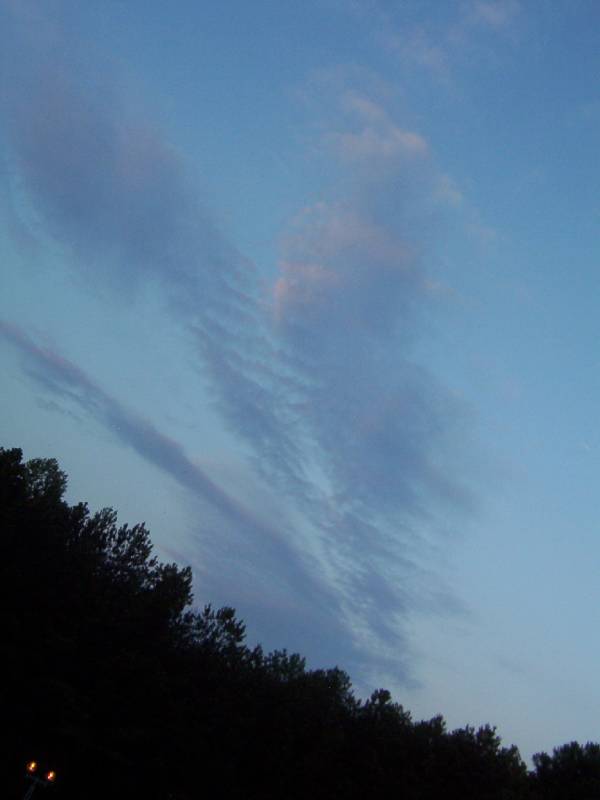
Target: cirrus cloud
[(317, 378)]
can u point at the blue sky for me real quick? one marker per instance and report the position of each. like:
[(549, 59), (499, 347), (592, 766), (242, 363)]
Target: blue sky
[(312, 289)]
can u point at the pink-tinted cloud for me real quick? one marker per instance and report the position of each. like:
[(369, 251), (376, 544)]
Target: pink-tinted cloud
[(303, 284), (319, 386), (345, 272)]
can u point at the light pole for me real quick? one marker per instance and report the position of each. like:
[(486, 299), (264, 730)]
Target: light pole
[(47, 779)]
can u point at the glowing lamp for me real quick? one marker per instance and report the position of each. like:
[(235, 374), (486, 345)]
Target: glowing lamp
[(51, 776), (32, 766)]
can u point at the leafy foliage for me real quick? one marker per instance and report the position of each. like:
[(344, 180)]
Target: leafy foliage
[(115, 681), (572, 772)]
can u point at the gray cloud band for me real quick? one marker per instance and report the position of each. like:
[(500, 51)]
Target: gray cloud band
[(285, 592), (318, 381)]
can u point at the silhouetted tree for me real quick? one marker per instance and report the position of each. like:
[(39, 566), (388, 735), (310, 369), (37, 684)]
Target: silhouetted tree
[(572, 772), (114, 679)]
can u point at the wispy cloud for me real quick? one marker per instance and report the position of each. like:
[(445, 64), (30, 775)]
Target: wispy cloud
[(422, 49), (234, 542), (446, 191), (371, 143), (316, 376), (469, 30), (369, 134), (107, 184), (347, 304), (65, 380), (497, 14)]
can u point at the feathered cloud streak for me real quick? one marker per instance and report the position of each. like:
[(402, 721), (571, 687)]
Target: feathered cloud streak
[(315, 375), (345, 305), (295, 592)]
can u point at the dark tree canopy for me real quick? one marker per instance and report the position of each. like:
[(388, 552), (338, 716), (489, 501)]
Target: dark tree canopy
[(572, 772), (113, 679)]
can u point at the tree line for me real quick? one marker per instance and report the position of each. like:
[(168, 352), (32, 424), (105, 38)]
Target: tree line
[(114, 680)]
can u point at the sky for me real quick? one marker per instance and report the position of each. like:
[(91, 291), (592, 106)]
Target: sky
[(312, 289)]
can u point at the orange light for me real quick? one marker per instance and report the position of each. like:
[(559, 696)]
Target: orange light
[(51, 776), (32, 766)]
